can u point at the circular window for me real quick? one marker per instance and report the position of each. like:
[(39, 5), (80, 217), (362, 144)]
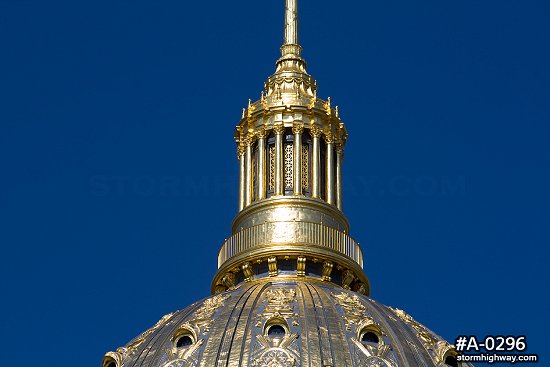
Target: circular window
[(276, 331), (370, 338), (451, 361), (184, 341), (109, 361)]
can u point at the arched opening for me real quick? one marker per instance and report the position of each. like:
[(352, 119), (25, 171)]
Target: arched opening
[(109, 361), (276, 331), (370, 338), (184, 341), (451, 361)]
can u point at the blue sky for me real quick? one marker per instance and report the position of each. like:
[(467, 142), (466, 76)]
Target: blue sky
[(119, 170)]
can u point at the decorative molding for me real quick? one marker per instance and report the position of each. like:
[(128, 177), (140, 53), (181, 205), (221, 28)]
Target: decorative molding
[(327, 270), (247, 271), (203, 317), (228, 280), (347, 278), (354, 310), (297, 129), (279, 129), (301, 266), (272, 266), (315, 131)]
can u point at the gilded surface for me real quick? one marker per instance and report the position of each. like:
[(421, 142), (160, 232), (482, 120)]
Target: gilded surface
[(323, 326), (271, 316), (354, 311), (203, 316), (434, 344)]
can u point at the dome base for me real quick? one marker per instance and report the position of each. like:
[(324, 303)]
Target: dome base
[(285, 323)]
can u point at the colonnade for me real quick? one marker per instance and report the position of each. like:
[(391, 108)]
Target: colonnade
[(332, 168)]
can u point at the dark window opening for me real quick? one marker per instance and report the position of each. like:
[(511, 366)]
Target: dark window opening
[(323, 169), (370, 338), (239, 277), (287, 266), (270, 165), (184, 341), (336, 276), (276, 331), (255, 172), (111, 364), (314, 269), (288, 166), (451, 361), (261, 269)]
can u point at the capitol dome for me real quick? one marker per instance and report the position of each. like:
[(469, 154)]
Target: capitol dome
[(290, 288), (286, 323)]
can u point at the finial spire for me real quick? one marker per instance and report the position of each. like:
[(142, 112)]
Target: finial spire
[(291, 51), (291, 22)]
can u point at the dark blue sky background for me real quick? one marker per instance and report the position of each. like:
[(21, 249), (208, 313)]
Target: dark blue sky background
[(119, 171)]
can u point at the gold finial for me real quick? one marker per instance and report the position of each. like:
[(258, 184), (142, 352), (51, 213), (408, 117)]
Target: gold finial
[(251, 108), (327, 106), (291, 23), (291, 50)]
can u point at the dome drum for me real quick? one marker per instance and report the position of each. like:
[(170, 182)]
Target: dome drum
[(290, 209), (291, 262), (306, 236)]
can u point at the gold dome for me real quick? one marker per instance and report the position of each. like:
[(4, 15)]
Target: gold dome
[(290, 288), (286, 324)]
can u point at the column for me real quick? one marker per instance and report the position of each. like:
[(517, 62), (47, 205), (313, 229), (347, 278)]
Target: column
[(248, 181), (330, 168), (315, 163), (279, 130), (297, 130), (339, 158), (291, 22), (261, 165), (242, 174)]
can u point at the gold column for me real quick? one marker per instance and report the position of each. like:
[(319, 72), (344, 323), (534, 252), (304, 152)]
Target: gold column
[(279, 130), (316, 163), (291, 22), (330, 168), (261, 164), (297, 130), (248, 181), (339, 157), (242, 174)]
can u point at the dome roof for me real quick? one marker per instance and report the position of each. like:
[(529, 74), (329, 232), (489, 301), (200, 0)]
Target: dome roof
[(284, 324), (290, 288)]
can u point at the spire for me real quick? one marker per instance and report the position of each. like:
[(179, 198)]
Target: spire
[(290, 146), (291, 50), (291, 23)]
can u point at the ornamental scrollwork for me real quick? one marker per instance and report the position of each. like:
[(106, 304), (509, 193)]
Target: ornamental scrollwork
[(426, 336), (126, 351), (203, 316), (354, 310), (277, 351)]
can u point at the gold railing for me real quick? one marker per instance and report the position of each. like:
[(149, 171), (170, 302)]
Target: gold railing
[(300, 233)]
